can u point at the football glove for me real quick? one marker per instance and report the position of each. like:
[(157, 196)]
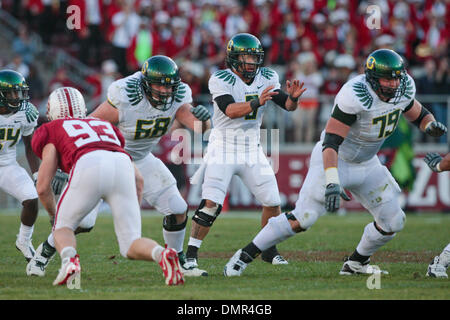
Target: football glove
[(333, 193), (432, 159), (435, 129), (201, 112), (58, 182)]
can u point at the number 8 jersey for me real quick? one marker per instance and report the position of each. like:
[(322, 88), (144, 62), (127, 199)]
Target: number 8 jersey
[(141, 124), (73, 138), (375, 119)]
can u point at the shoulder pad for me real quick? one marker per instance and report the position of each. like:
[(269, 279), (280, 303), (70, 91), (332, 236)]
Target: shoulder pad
[(267, 73), (31, 113), (409, 91), (180, 93), (226, 76), (362, 93), (134, 90)]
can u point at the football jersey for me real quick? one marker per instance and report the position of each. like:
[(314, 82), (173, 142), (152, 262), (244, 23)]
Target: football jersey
[(73, 138), (375, 119), (141, 124), (244, 130), (12, 127)]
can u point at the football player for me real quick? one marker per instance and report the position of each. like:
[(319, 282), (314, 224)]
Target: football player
[(18, 118), (144, 106), (239, 95), (92, 151), (366, 111), (438, 266)]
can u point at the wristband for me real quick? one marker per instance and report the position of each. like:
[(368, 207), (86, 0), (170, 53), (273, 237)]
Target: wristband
[(254, 104), (331, 175), (293, 99)]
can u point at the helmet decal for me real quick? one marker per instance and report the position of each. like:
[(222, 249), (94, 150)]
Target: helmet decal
[(370, 63)]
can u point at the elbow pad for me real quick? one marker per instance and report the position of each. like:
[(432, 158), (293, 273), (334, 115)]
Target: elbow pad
[(332, 141)]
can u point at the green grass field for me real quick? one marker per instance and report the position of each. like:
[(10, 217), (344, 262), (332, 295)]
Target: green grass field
[(315, 258)]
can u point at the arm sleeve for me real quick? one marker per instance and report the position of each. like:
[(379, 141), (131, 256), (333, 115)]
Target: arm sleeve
[(40, 140), (224, 101), (280, 98)]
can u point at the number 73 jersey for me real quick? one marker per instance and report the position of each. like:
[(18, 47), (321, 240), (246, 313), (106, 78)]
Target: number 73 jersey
[(375, 121), (141, 124)]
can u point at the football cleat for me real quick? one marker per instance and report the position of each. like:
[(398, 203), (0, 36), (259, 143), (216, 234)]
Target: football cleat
[(436, 269), (190, 269), (170, 264), (36, 266), (351, 267), (277, 260), (26, 247), (235, 266), (70, 268)]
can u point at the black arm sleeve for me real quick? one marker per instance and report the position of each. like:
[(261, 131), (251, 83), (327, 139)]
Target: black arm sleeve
[(280, 98), (332, 141), (409, 106), (224, 101), (423, 113), (343, 117)]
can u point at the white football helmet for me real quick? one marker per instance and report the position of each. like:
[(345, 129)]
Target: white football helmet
[(66, 102)]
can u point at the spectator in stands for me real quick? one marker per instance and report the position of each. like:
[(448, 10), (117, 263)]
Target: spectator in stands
[(18, 65), (24, 46), (108, 75), (442, 83), (60, 80), (346, 66), (126, 24), (305, 115), (143, 45), (234, 22)]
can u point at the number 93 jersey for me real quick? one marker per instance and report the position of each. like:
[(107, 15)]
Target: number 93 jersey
[(141, 124), (226, 82), (375, 119), (12, 127)]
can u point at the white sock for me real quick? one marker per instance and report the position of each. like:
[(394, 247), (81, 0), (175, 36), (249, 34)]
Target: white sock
[(372, 240), (195, 242), (25, 232), (275, 231), (51, 240), (67, 253), (156, 253), (174, 239)]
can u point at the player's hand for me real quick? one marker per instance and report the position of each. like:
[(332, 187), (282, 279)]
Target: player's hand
[(295, 89), (432, 159), (333, 193), (435, 129), (201, 112), (59, 180), (266, 95)]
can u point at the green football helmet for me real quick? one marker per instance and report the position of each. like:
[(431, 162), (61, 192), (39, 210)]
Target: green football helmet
[(163, 71), (386, 64), (13, 90), (244, 44)]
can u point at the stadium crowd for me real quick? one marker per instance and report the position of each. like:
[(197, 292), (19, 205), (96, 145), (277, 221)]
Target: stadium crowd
[(323, 43)]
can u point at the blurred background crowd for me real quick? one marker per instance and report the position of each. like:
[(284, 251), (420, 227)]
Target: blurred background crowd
[(323, 43)]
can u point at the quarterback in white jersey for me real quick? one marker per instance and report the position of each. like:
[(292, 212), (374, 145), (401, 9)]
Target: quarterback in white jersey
[(144, 106), (365, 113), (18, 118), (239, 95)]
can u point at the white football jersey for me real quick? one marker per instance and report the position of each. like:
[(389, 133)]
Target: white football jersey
[(12, 128), (244, 130), (375, 119), (141, 124)]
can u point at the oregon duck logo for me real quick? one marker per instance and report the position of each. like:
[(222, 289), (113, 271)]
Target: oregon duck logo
[(145, 67), (230, 45), (370, 63)]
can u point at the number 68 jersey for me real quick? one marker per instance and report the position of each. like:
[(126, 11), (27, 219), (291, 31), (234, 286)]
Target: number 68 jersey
[(375, 121), (73, 138), (141, 124)]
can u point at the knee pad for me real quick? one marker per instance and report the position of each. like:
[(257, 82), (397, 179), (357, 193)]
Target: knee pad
[(206, 216), (170, 223), (306, 218), (397, 222)]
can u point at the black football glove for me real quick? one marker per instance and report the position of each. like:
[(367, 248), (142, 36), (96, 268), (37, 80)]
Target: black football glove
[(333, 193), (432, 159), (436, 129), (58, 182)]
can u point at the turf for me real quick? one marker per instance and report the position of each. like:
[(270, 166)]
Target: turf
[(315, 258)]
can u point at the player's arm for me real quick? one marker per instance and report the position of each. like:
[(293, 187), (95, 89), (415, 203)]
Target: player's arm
[(186, 116), (106, 111), (235, 110), (336, 130), (33, 160), (289, 100), (46, 173), (417, 114)]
